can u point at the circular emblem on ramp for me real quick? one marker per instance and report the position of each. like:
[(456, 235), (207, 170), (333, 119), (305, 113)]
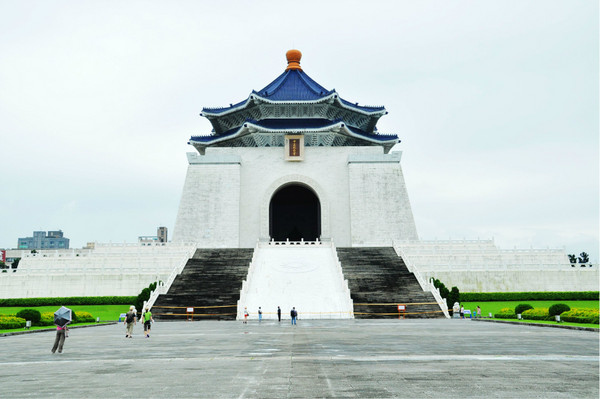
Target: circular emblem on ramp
[(296, 267)]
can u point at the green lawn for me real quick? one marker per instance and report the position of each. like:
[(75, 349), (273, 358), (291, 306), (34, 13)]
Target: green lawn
[(562, 323), (105, 312), (49, 328), (494, 307)]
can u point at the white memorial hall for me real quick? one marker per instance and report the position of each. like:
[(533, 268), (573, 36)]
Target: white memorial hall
[(295, 199)]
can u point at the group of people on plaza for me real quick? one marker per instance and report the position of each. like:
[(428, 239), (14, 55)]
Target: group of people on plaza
[(131, 320), (458, 311), (293, 314)]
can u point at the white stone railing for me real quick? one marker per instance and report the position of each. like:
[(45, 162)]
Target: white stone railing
[(287, 242), (163, 287), (343, 281), (109, 249), (245, 285), (425, 285)]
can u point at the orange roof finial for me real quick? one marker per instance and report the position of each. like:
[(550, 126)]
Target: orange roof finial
[(293, 59)]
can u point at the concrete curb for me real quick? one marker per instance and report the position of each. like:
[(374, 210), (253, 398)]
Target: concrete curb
[(539, 325), (108, 323)]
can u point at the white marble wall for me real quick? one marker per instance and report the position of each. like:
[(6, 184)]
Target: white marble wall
[(337, 176), (22, 285), (209, 210), (379, 206), (583, 279)]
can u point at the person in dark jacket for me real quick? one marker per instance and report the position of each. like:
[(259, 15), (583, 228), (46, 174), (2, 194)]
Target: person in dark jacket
[(279, 313), (294, 315)]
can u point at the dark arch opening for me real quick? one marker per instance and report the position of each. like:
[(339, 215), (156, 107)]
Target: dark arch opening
[(295, 213)]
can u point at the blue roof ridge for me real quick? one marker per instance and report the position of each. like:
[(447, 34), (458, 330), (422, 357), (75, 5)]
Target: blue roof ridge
[(340, 123), (256, 96)]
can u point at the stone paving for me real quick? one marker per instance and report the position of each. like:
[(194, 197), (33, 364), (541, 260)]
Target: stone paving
[(326, 358)]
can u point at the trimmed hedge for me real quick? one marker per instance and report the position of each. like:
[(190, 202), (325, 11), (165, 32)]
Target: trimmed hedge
[(10, 322), (536, 314), (581, 316), (65, 301), (529, 296), (506, 313), (47, 319), (83, 317)]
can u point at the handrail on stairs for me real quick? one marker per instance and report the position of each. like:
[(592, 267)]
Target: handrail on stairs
[(163, 287), (425, 285)]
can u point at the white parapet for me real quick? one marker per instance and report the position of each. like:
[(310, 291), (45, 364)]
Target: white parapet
[(480, 266), (109, 269), (304, 275)]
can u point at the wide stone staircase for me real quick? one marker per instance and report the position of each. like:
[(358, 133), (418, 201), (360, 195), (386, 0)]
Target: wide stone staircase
[(379, 280), (210, 283)]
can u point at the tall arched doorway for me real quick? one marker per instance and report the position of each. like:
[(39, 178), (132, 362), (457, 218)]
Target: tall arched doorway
[(294, 214)]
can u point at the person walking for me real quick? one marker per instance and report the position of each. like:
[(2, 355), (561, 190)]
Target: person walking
[(259, 314), (294, 314), (478, 312), (245, 315), (130, 321), (279, 313), (59, 341), (462, 312), (148, 320)]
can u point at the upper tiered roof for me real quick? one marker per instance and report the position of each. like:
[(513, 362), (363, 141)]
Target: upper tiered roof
[(292, 97)]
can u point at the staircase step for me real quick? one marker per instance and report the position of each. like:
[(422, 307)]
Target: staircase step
[(379, 276), (210, 283)]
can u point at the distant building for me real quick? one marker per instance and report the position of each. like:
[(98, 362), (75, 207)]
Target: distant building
[(161, 233), (43, 240), (147, 240)]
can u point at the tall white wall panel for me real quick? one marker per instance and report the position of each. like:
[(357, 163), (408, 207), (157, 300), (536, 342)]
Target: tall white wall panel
[(379, 206), (209, 211)]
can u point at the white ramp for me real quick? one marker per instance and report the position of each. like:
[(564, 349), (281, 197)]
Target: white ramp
[(304, 275)]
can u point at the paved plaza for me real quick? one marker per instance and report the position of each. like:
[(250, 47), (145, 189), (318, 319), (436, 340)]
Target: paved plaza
[(316, 358)]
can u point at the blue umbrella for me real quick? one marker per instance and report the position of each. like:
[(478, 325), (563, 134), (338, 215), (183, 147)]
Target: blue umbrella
[(63, 316)]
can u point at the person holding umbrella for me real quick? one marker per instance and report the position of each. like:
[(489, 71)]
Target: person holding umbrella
[(62, 317)]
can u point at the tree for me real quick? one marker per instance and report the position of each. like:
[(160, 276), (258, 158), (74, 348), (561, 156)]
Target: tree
[(454, 296), (584, 257), (444, 292), (572, 258)]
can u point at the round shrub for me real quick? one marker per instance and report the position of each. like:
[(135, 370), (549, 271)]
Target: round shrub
[(30, 314), (558, 308), (522, 307)]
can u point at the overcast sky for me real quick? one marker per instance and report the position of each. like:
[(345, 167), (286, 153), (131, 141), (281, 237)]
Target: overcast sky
[(496, 104)]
